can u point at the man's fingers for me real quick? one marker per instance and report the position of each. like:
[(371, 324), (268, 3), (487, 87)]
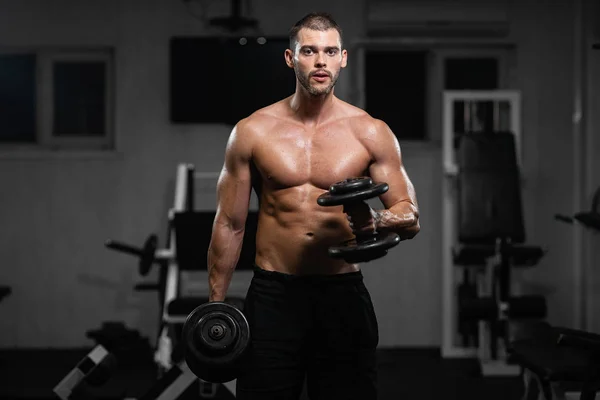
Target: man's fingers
[(402, 220)]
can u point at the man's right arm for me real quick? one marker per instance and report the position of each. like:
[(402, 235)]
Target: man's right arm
[(233, 198)]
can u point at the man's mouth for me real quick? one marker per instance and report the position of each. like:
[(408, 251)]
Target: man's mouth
[(320, 76)]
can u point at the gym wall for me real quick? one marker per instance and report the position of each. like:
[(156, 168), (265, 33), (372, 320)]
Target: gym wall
[(57, 209)]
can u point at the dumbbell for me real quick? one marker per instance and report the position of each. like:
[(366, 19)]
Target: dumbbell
[(365, 247), (215, 338)]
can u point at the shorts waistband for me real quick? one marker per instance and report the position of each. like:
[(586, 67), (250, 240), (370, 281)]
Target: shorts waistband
[(261, 273)]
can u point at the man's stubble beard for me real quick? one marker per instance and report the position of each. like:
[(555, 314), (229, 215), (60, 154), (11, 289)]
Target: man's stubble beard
[(305, 82)]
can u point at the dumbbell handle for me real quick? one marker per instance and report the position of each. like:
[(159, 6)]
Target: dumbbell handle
[(365, 237), (124, 247), (360, 237)]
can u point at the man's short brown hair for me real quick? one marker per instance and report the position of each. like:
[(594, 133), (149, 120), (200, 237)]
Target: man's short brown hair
[(318, 21)]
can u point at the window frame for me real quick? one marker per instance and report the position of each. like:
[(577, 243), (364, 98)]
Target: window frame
[(46, 58), (437, 76), (438, 51)]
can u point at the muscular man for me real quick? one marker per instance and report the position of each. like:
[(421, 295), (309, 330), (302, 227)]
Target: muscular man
[(310, 315)]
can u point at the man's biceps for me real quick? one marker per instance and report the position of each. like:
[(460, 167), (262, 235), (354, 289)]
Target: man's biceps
[(239, 172), (234, 186), (398, 187), (385, 173)]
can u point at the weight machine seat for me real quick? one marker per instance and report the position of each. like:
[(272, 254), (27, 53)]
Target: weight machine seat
[(475, 254), (581, 340), (559, 354)]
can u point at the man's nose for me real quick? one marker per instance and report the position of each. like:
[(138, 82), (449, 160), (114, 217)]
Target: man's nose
[(320, 60)]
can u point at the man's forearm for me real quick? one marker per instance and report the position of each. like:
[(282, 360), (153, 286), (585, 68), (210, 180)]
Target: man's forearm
[(223, 255), (402, 218)]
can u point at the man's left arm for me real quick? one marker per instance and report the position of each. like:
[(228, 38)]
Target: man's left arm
[(401, 213)]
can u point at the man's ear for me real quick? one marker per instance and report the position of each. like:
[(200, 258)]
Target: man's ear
[(289, 58), (344, 58)]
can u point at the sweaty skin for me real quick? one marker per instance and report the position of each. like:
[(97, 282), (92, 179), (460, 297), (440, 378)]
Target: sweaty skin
[(290, 153)]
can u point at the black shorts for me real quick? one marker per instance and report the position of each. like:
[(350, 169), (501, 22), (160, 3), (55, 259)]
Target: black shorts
[(319, 327)]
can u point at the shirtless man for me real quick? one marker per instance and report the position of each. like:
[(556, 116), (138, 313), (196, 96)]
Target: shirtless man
[(310, 315)]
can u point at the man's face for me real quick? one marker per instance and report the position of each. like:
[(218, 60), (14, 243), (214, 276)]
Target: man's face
[(317, 60)]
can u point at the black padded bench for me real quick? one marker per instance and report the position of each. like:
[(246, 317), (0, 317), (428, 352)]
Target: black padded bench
[(521, 255), (558, 360)]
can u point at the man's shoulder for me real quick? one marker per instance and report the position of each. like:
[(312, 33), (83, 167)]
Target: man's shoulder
[(351, 110), (263, 118), (361, 119)]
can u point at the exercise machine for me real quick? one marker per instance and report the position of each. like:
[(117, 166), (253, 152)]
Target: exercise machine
[(483, 234), (180, 255), (491, 244), (559, 363)]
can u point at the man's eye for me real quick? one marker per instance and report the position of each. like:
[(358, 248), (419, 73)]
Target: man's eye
[(332, 52), (307, 51)]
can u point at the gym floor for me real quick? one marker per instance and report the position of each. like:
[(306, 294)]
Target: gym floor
[(404, 374)]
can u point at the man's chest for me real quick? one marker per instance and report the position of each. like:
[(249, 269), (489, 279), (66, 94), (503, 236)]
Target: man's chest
[(292, 157)]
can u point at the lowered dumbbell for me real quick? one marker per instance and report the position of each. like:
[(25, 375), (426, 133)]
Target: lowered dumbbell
[(366, 247), (148, 254), (215, 338)]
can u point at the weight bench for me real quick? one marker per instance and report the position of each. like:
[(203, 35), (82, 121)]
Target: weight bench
[(97, 367), (558, 363)]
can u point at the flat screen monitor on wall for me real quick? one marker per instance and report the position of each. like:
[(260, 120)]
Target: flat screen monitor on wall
[(225, 79)]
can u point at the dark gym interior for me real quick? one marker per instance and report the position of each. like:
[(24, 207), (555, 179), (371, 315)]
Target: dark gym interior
[(114, 120)]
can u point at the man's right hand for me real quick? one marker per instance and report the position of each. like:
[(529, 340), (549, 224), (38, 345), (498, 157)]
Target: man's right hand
[(362, 218)]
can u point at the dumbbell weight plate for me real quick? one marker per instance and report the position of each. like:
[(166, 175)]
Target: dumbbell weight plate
[(373, 247), (148, 255), (351, 185), (215, 337), (335, 199)]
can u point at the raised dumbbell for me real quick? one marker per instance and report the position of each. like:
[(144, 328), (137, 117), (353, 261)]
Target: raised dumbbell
[(215, 338), (366, 247)]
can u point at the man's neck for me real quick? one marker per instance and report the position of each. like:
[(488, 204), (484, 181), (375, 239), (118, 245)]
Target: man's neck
[(310, 109)]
